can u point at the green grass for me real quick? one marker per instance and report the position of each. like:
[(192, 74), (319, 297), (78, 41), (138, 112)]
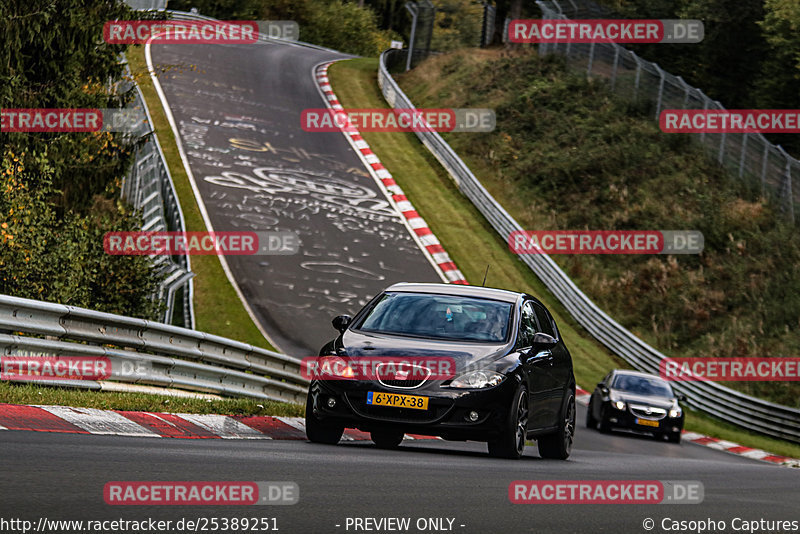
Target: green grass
[(218, 309), (472, 243), (37, 394)]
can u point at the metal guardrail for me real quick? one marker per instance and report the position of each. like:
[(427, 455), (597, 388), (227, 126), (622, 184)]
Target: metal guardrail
[(726, 404), (148, 352), (148, 187)]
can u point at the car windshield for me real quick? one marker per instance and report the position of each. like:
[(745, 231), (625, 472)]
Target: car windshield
[(642, 385), (440, 317)]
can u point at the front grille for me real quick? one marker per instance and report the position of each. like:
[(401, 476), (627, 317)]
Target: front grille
[(410, 376), (401, 383), (648, 412)]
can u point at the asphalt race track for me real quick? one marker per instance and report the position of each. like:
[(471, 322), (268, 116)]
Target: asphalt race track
[(61, 476), (237, 108)]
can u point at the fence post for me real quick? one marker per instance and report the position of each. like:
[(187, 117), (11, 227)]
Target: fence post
[(569, 43), (413, 9), (745, 137), (660, 89), (722, 139), (786, 188), (789, 188), (764, 162), (705, 108), (616, 63), (638, 75)]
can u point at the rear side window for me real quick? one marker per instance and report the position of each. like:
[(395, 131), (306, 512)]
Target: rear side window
[(527, 326), (545, 321)]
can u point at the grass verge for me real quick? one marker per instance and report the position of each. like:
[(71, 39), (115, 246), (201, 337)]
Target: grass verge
[(472, 243), (37, 394), (218, 309)]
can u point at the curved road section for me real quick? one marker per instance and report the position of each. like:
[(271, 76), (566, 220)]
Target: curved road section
[(237, 109)]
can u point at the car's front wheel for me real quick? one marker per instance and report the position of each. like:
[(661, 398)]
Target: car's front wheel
[(319, 431), (510, 442), (387, 439), (604, 425), (591, 422), (558, 446)]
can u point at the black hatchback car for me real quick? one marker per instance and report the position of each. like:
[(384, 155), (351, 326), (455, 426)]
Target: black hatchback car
[(636, 401), (509, 375)]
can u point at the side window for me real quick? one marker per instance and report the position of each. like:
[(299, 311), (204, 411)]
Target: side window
[(527, 326), (545, 322)]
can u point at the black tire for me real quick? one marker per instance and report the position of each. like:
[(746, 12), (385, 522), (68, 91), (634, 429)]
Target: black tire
[(558, 446), (604, 426), (321, 431), (387, 439), (591, 422), (510, 442), (674, 437)]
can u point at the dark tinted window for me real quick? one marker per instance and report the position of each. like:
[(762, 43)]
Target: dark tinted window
[(527, 326), (439, 316), (545, 323)]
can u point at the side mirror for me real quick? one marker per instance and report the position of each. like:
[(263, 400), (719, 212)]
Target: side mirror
[(542, 340), (341, 322), (681, 397), (603, 389)]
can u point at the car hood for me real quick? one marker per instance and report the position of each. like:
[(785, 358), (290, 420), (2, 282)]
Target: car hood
[(647, 400), (358, 344)]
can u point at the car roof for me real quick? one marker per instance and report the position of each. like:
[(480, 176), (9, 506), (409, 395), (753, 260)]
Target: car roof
[(459, 290)]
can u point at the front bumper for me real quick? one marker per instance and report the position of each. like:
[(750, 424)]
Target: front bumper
[(641, 423), (447, 415)]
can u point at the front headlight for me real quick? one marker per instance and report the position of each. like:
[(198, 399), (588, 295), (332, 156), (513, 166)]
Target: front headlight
[(675, 411), (615, 401), (333, 368), (477, 380)]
